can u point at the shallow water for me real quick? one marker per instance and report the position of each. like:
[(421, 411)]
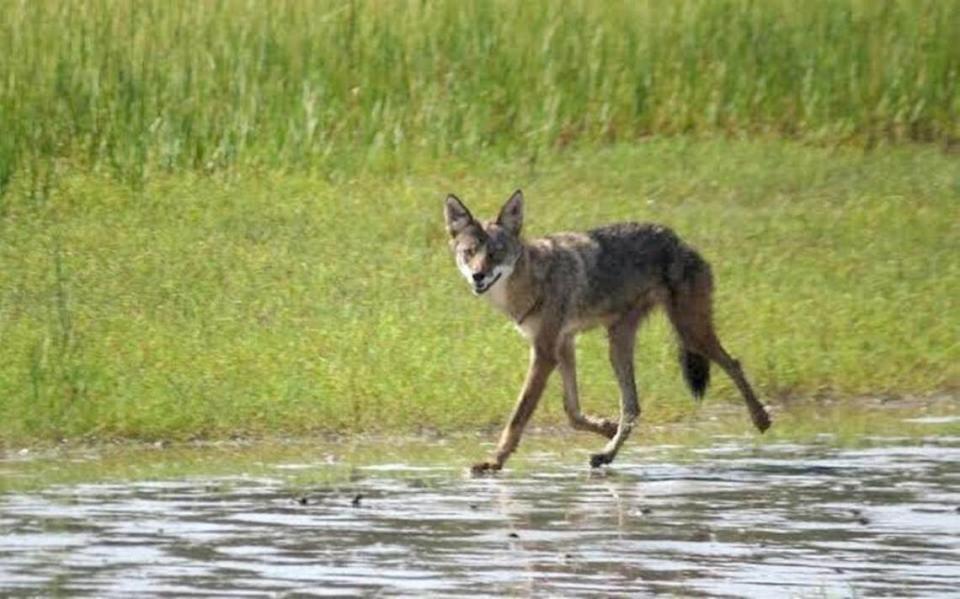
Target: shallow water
[(727, 520)]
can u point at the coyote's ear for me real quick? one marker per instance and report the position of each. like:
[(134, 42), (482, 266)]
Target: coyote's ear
[(456, 215), (511, 215)]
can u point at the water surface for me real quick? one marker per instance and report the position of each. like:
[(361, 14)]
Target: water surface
[(725, 520)]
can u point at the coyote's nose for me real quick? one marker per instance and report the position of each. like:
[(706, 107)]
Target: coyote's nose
[(478, 277)]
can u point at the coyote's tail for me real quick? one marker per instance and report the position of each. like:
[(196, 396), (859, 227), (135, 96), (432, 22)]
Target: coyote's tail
[(689, 307), (696, 372)]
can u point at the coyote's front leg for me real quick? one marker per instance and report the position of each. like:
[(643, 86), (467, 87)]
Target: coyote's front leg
[(622, 336), (542, 363), (567, 365)]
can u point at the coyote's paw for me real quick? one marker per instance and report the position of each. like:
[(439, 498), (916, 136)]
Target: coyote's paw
[(600, 459), (761, 419), (481, 468)]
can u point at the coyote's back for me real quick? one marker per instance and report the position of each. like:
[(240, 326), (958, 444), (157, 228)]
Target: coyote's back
[(626, 264)]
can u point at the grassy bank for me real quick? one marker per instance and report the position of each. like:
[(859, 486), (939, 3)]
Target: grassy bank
[(261, 302), (222, 218), (303, 462), (139, 88)]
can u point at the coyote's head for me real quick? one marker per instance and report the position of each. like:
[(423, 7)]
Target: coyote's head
[(487, 251)]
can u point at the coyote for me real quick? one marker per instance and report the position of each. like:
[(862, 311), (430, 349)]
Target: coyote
[(558, 286)]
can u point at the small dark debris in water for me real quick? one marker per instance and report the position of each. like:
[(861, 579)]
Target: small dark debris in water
[(855, 512), (356, 500), (958, 509), (702, 536), (838, 570), (567, 556), (303, 500), (473, 506), (513, 535), (863, 520), (646, 511)]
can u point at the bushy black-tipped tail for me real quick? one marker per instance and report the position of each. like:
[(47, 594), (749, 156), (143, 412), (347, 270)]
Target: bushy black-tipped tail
[(696, 371), (689, 307)]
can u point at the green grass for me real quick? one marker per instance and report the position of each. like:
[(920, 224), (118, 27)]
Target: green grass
[(262, 302), (136, 89), (222, 218)]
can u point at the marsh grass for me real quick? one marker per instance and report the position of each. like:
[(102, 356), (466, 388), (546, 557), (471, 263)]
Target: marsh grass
[(137, 89), (263, 302)]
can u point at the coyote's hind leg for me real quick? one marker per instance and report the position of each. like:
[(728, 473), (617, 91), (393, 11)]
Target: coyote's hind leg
[(691, 313), (758, 414)]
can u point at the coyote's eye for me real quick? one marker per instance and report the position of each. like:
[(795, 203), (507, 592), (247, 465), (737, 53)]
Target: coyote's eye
[(469, 251)]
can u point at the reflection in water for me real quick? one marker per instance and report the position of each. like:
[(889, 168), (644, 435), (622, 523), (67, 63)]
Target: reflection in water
[(778, 520)]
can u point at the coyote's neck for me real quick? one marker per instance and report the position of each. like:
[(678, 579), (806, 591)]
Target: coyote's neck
[(517, 295)]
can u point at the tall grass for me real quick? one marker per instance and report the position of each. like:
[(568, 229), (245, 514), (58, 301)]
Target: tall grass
[(137, 87)]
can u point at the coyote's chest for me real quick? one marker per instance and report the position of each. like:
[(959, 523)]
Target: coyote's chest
[(500, 298), (497, 295)]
